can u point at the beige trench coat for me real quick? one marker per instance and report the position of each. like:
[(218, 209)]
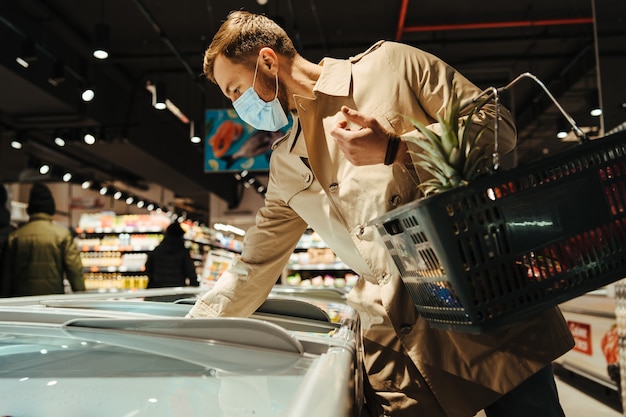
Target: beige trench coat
[(413, 369)]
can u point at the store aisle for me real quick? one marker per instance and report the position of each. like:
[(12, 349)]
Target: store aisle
[(577, 403)]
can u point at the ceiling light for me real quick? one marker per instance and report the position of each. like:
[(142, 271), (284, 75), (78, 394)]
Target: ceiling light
[(129, 200), (562, 128), (160, 96), (150, 207), (44, 169), (117, 195), (140, 203), (27, 54), (88, 94), (86, 184), (168, 104), (593, 100), (16, 144), (193, 137), (59, 141), (103, 190), (101, 41), (89, 139), (67, 177)]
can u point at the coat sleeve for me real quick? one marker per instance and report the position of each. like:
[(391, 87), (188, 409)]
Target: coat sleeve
[(242, 288), (72, 263)]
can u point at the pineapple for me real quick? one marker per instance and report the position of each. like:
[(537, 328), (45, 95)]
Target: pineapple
[(454, 157)]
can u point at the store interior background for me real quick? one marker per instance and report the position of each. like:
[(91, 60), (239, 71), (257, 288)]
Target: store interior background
[(576, 47)]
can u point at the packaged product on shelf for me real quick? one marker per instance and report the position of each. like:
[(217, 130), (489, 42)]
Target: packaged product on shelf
[(329, 281), (104, 281), (134, 261), (351, 279), (109, 222), (321, 255), (317, 281), (217, 261), (294, 279)]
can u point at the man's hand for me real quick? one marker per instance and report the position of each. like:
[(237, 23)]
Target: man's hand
[(365, 142)]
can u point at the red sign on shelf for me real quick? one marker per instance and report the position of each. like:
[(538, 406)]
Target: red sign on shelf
[(582, 336)]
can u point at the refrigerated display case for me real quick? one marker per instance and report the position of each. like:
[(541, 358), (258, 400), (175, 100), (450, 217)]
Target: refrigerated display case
[(98, 355)]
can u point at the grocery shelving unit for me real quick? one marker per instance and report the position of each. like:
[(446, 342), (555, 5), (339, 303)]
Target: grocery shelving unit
[(114, 249), (314, 264)]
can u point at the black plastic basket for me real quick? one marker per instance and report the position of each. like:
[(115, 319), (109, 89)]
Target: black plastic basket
[(515, 242)]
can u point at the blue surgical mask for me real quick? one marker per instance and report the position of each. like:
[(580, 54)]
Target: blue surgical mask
[(259, 114)]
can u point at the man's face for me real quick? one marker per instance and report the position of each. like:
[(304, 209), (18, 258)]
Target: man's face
[(234, 79)]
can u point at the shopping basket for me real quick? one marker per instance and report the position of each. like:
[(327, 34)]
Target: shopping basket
[(514, 242)]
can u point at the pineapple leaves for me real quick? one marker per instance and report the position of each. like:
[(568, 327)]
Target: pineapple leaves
[(455, 156)]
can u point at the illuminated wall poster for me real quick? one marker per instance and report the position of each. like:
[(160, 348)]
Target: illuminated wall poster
[(233, 145)]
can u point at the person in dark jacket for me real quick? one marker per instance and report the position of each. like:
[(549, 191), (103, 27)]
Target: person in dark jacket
[(5, 219), (5, 223), (170, 264), (40, 254)]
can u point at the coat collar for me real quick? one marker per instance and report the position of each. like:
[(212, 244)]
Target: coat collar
[(335, 77), (39, 216), (335, 80), (291, 138)]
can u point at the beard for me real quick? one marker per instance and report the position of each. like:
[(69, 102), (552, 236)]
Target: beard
[(269, 84)]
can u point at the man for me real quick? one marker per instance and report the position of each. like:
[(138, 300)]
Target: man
[(40, 254), (341, 166)]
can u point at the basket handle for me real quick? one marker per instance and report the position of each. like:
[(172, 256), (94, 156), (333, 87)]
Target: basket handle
[(490, 92), (493, 93)]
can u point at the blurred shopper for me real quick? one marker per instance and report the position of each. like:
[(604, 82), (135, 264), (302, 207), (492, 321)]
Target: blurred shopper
[(40, 254), (342, 165), (5, 223), (170, 264)]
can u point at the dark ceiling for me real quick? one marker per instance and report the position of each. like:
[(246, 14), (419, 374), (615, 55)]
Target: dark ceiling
[(163, 41)]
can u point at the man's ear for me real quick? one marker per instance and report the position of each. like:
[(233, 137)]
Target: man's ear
[(269, 60)]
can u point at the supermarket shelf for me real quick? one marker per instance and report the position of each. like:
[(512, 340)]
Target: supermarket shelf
[(119, 248), (319, 267), (113, 269)]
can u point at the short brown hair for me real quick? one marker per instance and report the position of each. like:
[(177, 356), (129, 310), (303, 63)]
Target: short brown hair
[(242, 35)]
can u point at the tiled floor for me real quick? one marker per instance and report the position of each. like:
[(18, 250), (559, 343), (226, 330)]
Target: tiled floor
[(582, 399)]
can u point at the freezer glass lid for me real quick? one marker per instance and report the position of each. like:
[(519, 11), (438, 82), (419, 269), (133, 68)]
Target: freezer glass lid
[(53, 372)]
